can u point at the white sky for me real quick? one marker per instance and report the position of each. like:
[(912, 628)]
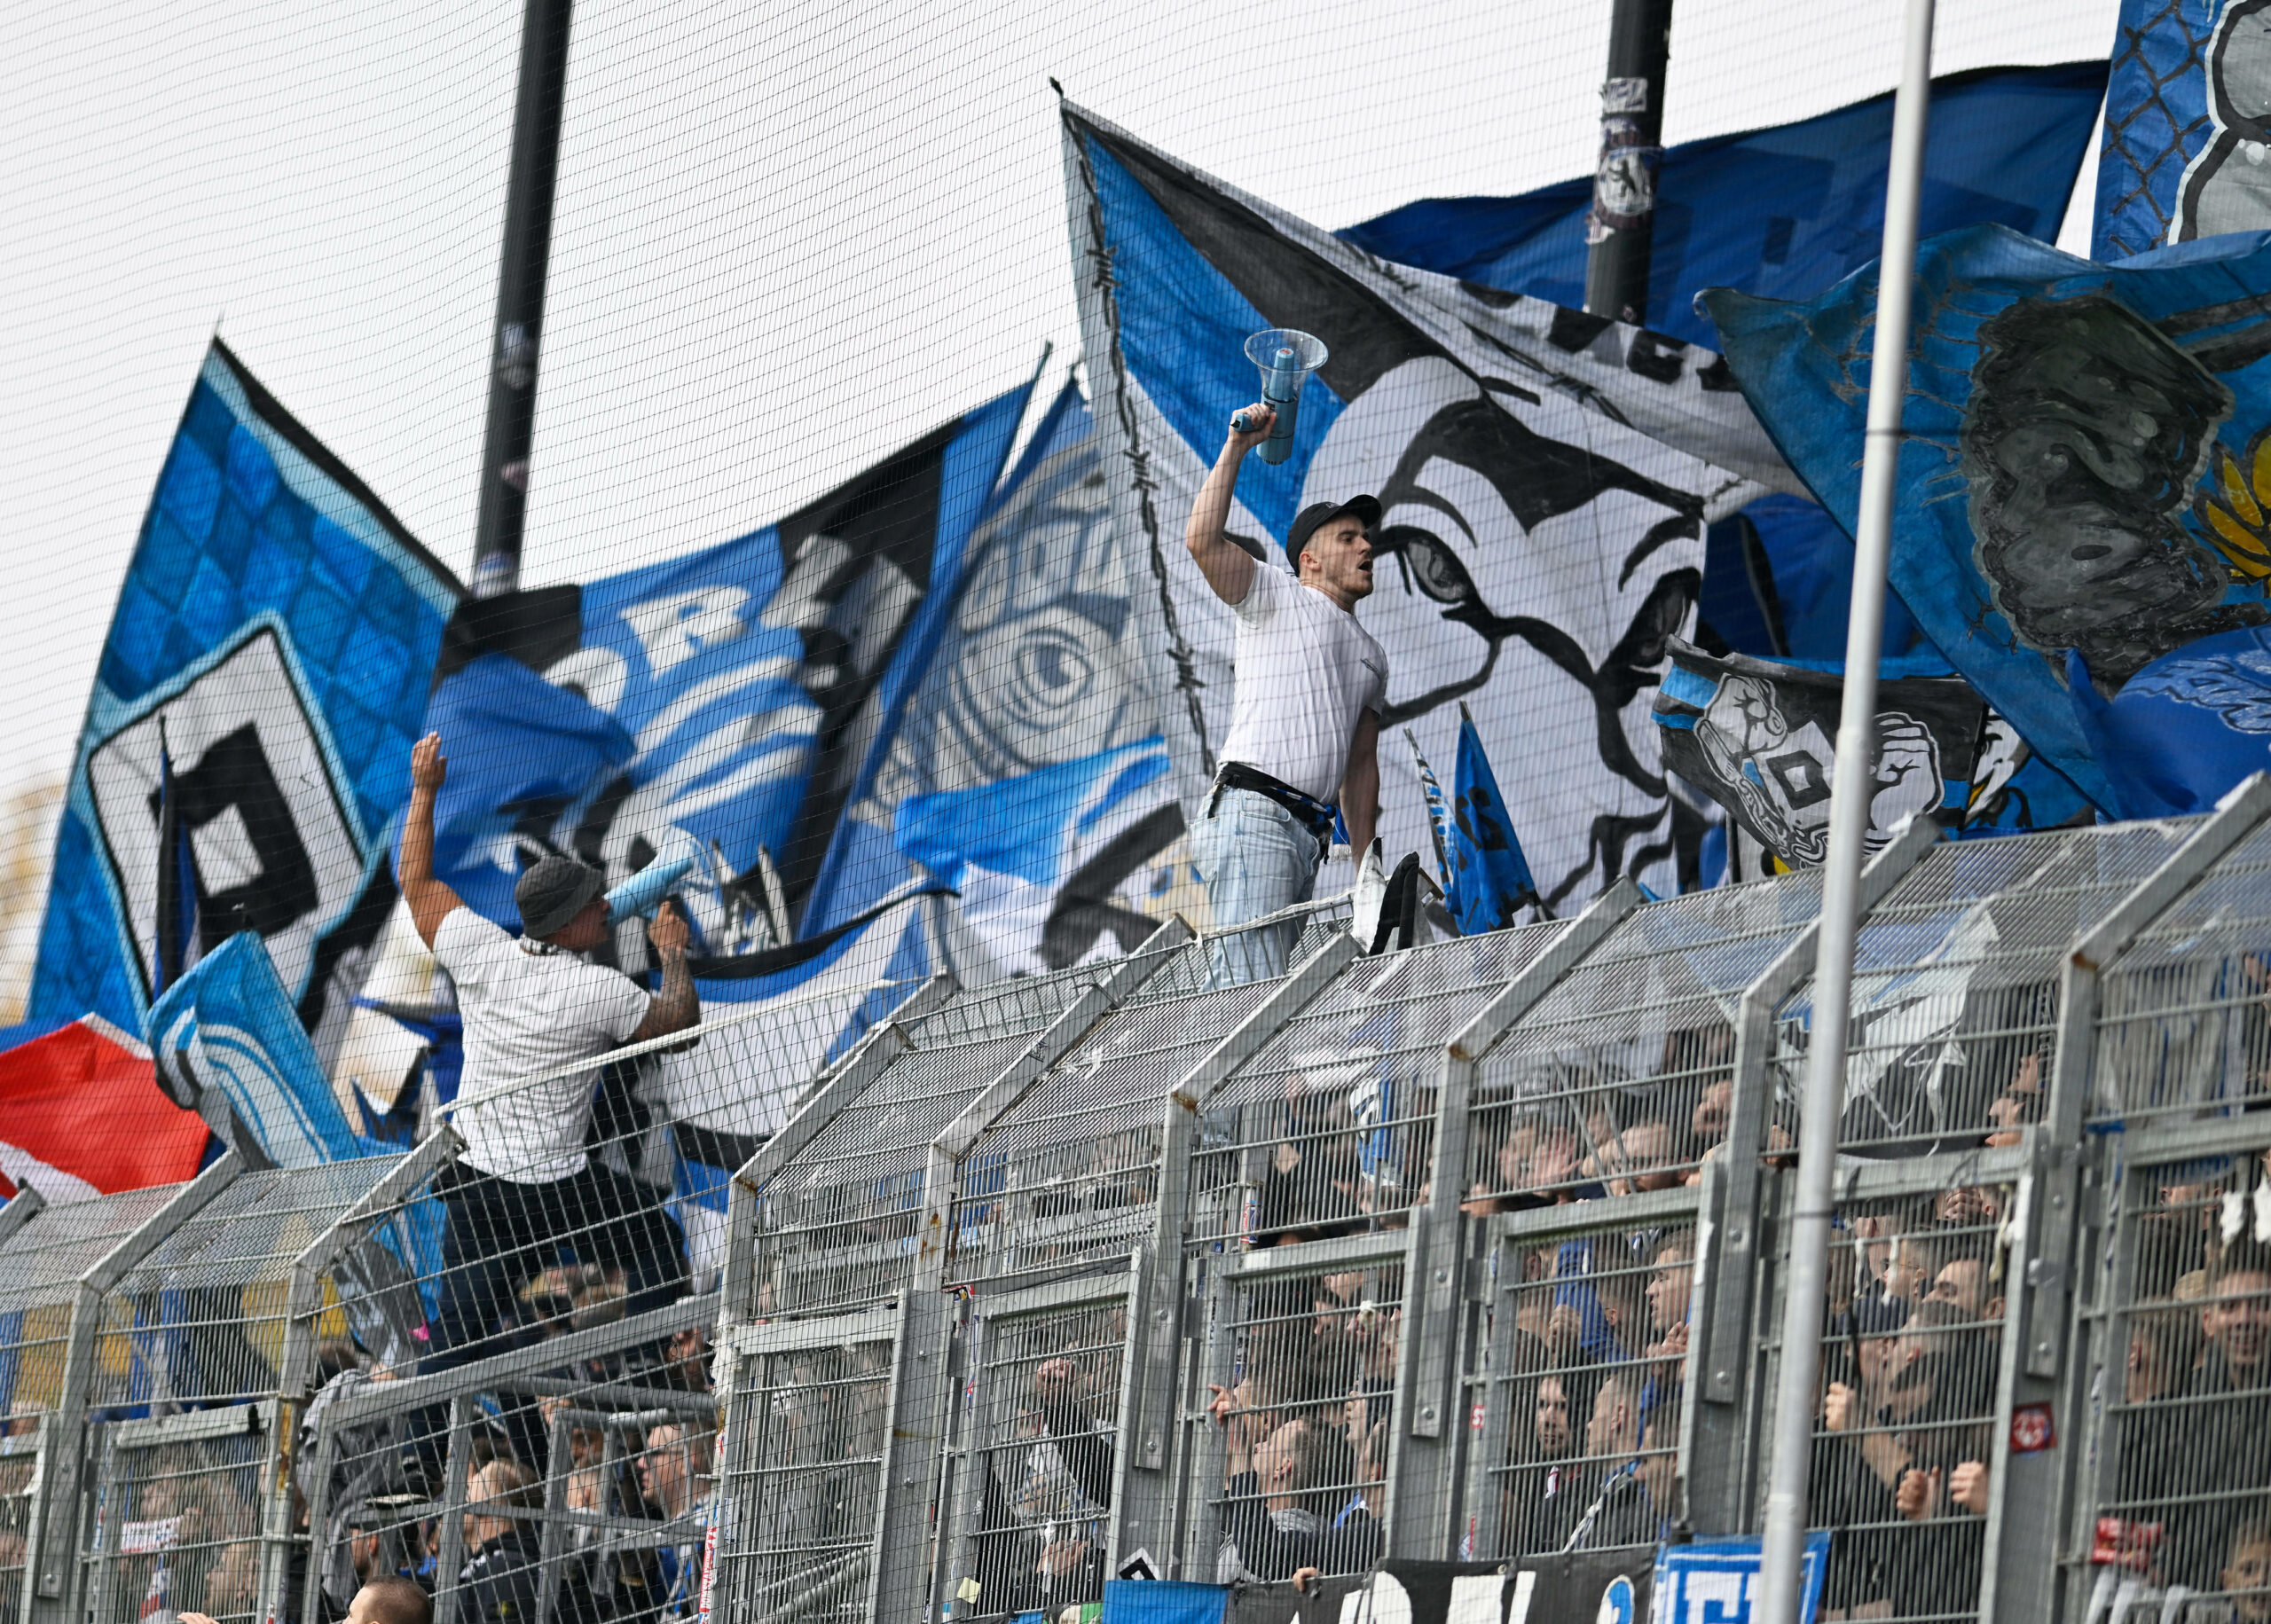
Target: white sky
[(788, 237)]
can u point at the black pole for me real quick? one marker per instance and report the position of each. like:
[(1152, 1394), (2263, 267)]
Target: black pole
[(1624, 216), (520, 297)]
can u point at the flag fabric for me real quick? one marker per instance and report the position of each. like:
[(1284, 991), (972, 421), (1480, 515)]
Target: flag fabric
[(2181, 153), (1030, 773), (739, 694), (1782, 212), (2040, 508), (229, 1046), (278, 627), (1490, 880), (2187, 729), (1760, 737), (1542, 534), (1439, 813), (178, 947), (82, 1115)]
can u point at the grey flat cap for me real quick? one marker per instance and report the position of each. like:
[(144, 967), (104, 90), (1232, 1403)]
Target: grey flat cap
[(554, 892)]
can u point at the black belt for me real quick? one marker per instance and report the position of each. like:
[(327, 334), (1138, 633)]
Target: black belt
[(1312, 813)]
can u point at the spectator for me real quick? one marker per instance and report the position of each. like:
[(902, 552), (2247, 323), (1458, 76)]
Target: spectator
[(523, 1186), (1963, 1283), (676, 1473), (498, 1582), (388, 1599), (2229, 1487), (1545, 1476), (1277, 1513), (1616, 1509), (1669, 1288), (2245, 1580)]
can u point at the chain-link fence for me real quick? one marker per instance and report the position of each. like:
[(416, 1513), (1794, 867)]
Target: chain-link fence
[(1148, 1267)]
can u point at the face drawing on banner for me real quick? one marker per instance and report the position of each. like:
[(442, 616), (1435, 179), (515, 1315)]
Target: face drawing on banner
[(2227, 187), (1780, 776), (1481, 519), (2083, 437)]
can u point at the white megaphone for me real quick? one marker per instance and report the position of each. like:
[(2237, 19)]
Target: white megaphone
[(1286, 359)]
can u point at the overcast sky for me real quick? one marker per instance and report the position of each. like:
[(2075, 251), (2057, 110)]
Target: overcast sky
[(763, 211)]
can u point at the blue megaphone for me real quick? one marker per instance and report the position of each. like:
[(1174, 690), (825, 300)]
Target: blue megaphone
[(644, 891), (1286, 359)]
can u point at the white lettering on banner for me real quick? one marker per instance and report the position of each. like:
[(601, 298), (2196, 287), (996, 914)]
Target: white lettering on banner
[(1474, 1599), (1391, 1602), (675, 628), (1525, 1588), (1710, 1598)]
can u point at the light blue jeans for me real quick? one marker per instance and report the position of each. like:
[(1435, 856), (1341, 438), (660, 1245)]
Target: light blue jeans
[(1256, 858)]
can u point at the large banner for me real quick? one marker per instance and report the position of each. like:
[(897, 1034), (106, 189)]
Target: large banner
[(744, 694), (274, 639), (1030, 773), (1542, 537), (1759, 737), (2077, 493)]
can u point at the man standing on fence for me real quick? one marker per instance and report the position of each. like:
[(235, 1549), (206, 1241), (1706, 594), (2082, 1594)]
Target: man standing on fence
[(524, 1190), (1305, 711)]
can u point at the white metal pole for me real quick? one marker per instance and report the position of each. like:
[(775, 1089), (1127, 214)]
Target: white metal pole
[(1806, 1278)]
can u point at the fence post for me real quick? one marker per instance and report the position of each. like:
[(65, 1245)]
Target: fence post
[(1718, 1470), (1145, 1500), (2028, 1488), (919, 1406), (1435, 1285), (54, 1556)]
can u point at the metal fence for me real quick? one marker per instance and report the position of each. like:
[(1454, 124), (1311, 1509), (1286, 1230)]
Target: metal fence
[(1158, 1266)]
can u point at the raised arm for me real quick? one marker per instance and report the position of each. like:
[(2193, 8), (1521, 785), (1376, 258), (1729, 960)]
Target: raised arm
[(676, 1006), (431, 901), (1360, 785), (1227, 567)]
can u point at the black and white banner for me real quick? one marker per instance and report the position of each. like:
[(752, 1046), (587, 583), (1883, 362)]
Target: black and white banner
[(1547, 478)]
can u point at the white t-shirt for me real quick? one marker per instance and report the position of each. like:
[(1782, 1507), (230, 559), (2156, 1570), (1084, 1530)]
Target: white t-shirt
[(1305, 671), (527, 1009)]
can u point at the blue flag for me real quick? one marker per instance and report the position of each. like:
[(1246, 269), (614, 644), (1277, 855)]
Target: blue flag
[(1490, 879), (2042, 508), (1782, 212), (272, 650), (2181, 155), (743, 694), (229, 1045)]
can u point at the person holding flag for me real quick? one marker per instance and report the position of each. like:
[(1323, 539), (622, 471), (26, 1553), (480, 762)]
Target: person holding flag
[(1310, 685)]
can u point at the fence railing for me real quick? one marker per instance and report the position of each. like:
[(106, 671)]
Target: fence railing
[(1160, 1266)]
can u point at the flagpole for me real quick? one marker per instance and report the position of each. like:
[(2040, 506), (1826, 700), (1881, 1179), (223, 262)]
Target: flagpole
[(1806, 1279), (511, 427), (1622, 228)]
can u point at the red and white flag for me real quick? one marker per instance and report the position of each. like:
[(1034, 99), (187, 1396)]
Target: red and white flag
[(82, 1115)]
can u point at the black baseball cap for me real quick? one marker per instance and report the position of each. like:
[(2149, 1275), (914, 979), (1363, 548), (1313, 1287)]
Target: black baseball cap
[(1305, 522)]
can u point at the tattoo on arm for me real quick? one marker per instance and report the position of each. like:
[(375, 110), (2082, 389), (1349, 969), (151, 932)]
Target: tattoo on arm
[(676, 1006)]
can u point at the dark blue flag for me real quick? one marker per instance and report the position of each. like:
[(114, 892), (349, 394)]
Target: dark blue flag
[(1490, 879), (1783, 212)]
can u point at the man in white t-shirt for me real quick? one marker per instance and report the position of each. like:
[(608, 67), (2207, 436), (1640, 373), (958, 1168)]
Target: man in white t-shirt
[(1305, 712), (523, 1189)]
